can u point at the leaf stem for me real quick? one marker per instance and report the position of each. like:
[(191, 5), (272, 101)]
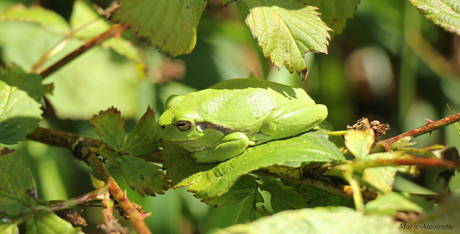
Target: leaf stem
[(115, 29)]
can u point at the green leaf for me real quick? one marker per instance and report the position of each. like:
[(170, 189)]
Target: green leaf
[(249, 210), (143, 176), (20, 96), (9, 229), (241, 189), (48, 19), (382, 178), (443, 218), (286, 30), (284, 197), (17, 188), (390, 203), (49, 223), (179, 164), (309, 147), (110, 127), (143, 139), (335, 12), (318, 220), (319, 198), (444, 13), (171, 25), (359, 143)]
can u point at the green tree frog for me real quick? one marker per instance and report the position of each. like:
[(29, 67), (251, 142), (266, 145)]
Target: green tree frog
[(220, 122)]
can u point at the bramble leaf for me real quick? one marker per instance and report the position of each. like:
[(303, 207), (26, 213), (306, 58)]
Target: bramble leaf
[(284, 197), (171, 25), (286, 30), (143, 176), (390, 203), (143, 139), (50, 223), (17, 188), (359, 143), (444, 13), (249, 211), (110, 127), (309, 147), (20, 96)]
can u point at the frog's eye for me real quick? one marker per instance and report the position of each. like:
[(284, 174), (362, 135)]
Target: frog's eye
[(183, 125)]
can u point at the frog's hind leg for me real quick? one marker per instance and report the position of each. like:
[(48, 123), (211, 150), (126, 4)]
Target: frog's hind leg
[(293, 118)]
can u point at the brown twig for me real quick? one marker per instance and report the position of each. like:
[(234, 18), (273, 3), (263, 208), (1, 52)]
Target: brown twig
[(81, 148), (117, 28), (427, 128)]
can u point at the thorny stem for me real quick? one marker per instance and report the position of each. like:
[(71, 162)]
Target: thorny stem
[(427, 128), (115, 29), (81, 147)]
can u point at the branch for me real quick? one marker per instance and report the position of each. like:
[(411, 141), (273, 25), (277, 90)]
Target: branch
[(427, 128), (115, 29), (82, 150)]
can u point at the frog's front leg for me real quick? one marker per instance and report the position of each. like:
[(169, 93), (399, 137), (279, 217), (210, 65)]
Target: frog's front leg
[(293, 118), (229, 146)]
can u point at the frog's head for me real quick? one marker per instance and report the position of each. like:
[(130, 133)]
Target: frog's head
[(181, 125)]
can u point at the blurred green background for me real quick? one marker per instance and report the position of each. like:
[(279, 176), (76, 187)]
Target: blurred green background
[(390, 64)]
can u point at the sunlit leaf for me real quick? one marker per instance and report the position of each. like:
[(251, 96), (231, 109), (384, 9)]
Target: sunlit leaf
[(48, 19), (17, 188), (143, 139), (143, 176), (359, 143), (49, 223), (444, 13), (286, 30), (318, 220), (20, 96), (335, 12), (110, 127), (171, 25), (309, 147)]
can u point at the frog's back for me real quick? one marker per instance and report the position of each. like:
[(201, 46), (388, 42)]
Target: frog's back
[(240, 103)]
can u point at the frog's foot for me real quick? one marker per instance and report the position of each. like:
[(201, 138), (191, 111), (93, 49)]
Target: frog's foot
[(293, 118), (231, 145)]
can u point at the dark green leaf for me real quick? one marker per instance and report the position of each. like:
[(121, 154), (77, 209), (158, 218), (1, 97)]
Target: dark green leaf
[(284, 197), (143, 176), (110, 127), (143, 139), (249, 211), (20, 96), (17, 189), (171, 25), (309, 147), (48, 223)]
